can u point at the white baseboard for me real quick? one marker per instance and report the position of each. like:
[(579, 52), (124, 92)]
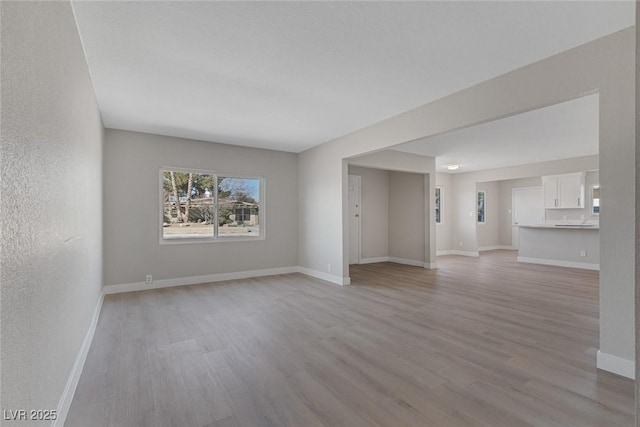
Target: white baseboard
[(495, 248), (455, 252), (427, 265), (74, 376), (616, 365), (194, 280), (343, 281), (406, 261), (374, 260), (558, 263)]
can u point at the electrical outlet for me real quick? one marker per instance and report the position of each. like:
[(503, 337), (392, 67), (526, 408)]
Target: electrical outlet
[(149, 279), (583, 252)]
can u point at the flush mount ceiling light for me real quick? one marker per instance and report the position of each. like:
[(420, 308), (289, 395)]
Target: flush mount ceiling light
[(453, 167)]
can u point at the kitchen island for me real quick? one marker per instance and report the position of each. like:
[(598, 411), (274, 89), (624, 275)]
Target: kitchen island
[(565, 245)]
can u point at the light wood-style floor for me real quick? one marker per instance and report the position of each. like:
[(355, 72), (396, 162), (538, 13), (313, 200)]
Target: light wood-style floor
[(478, 342)]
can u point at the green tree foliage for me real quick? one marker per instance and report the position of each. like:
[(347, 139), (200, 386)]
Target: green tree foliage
[(201, 183), (180, 188)]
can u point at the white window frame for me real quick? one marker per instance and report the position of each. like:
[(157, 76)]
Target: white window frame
[(441, 188), (484, 218), (215, 238)]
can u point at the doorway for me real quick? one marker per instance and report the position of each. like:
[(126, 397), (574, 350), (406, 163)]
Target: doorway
[(354, 219), (527, 208)]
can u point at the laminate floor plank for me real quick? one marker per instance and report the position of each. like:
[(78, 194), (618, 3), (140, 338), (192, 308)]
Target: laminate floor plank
[(478, 342)]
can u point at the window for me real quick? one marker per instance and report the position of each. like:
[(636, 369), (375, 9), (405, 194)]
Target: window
[(482, 199), (438, 204), (202, 205), (595, 199)]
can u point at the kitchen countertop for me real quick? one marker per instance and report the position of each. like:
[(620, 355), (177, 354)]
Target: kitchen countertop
[(564, 226)]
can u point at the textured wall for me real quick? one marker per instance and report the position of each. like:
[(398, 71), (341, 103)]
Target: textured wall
[(132, 163), (51, 209)]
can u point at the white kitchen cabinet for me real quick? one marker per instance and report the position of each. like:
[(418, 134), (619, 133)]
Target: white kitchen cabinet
[(564, 191)]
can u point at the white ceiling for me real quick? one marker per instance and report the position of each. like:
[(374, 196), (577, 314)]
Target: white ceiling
[(561, 131), (291, 75)]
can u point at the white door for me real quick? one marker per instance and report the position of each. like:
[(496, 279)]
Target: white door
[(527, 209), (354, 219)]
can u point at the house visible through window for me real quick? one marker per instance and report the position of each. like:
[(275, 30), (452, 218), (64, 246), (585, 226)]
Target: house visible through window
[(199, 205)]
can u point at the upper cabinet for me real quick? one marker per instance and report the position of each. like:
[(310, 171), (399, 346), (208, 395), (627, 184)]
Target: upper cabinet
[(564, 191)]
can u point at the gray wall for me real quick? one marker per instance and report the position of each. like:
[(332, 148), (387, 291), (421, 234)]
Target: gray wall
[(498, 230), (374, 211), (51, 210), (606, 66), (560, 245), (465, 185), (424, 166), (406, 216), (132, 162)]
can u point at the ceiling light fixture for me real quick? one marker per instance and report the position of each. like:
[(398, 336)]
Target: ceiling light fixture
[(453, 167)]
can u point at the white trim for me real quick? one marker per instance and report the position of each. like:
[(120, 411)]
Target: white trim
[(428, 265), (441, 188), (406, 261), (496, 247), (456, 252), (558, 263), (215, 238), (343, 281), (615, 364), (484, 218), (193, 280), (358, 180), (374, 260), (74, 376)]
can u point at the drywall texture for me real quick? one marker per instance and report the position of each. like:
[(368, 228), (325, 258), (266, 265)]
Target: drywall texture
[(132, 163), (406, 216), (606, 66), (51, 210), (374, 211)]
